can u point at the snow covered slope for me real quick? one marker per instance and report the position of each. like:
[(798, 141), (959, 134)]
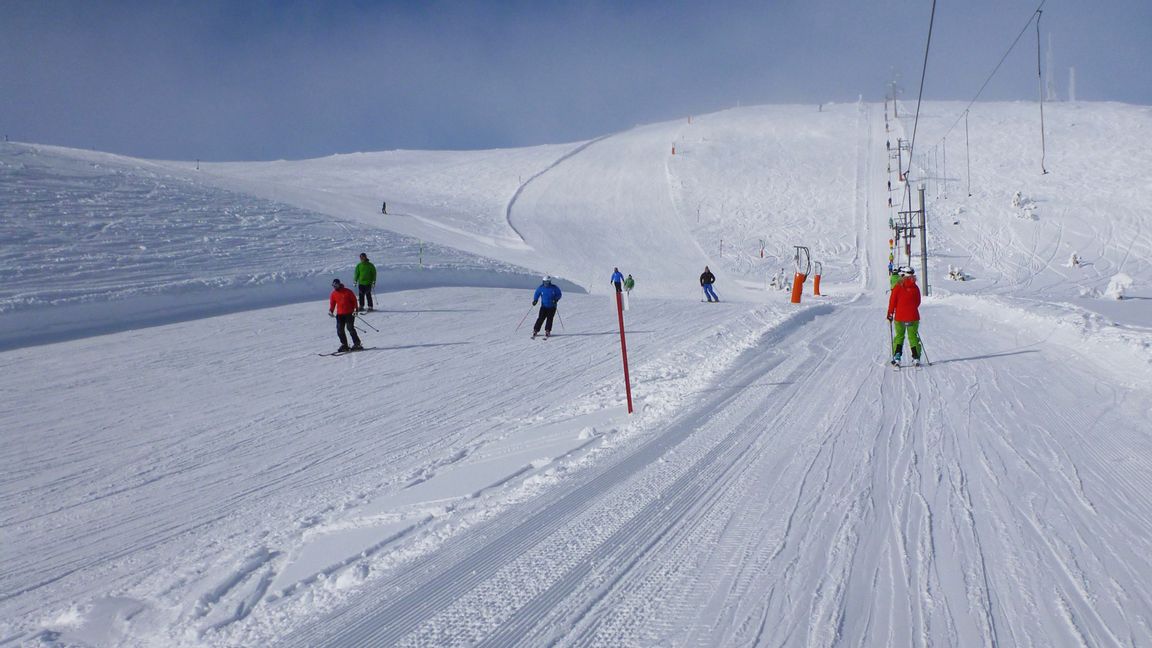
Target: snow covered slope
[(97, 242), (766, 177), (215, 482), (1092, 202)]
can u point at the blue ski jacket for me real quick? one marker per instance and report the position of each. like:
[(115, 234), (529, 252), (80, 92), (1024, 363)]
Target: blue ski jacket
[(617, 277), (547, 295)]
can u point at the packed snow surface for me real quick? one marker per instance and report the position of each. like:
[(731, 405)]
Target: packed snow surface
[(182, 466)]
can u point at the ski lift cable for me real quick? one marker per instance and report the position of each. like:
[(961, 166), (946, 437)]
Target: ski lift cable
[(997, 68), (920, 97)]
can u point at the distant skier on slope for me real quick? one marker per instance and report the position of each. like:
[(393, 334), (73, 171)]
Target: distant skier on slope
[(365, 280), (904, 310), (617, 279), (547, 295), (706, 281), (629, 283), (343, 302), (893, 276)]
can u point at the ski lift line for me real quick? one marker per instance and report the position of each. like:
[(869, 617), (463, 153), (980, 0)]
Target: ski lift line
[(998, 65), (967, 153), (1040, 81), (923, 73)]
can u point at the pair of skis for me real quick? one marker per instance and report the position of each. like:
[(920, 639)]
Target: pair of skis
[(896, 366), (340, 353)]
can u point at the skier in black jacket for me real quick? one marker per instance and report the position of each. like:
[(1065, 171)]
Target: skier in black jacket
[(706, 281)]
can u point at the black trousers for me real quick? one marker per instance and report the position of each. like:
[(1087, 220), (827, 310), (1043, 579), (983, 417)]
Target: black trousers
[(365, 292), (347, 322), (546, 313)]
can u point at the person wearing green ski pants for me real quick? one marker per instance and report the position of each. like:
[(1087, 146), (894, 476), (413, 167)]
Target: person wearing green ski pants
[(904, 313), (912, 329)]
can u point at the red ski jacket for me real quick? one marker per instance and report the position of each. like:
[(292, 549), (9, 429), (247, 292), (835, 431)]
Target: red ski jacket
[(343, 301), (904, 303)]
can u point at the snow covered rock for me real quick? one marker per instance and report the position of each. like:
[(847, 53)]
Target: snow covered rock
[(1118, 285)]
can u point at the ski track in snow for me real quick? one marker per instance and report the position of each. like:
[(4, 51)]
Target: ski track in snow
[(218, 484)]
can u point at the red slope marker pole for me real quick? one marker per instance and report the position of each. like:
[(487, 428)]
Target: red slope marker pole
[(624, 350)]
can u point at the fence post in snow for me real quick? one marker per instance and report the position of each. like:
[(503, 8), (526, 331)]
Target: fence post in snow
[(624, 350)]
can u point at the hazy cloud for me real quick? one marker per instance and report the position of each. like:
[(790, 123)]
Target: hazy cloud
[(218, 79)]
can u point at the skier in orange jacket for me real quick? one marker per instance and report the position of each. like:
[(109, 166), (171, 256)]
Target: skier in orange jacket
[(342, 305)]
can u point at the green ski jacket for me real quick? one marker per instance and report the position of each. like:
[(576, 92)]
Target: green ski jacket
[(365, 274)]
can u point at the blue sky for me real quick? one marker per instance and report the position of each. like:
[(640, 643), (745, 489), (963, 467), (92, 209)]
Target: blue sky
[(256, 80)]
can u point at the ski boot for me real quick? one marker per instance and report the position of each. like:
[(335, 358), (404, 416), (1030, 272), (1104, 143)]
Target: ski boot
[(357, 347), (343, 349), (896, 360)]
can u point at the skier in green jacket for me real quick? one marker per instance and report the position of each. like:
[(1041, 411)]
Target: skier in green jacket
[(365, 279), (893, 277)]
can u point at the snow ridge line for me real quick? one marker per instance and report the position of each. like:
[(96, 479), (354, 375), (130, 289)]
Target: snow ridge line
[(434, 581), (39, 326), (1127, 354), (520, 189)]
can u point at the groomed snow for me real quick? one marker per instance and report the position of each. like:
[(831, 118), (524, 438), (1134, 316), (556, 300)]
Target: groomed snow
[(214, 481)]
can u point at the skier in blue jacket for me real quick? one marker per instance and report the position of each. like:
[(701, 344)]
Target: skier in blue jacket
[(547, 295), (617, 279)]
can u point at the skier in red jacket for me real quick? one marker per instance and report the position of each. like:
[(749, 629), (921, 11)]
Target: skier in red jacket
[(343, 302), (904, 310)]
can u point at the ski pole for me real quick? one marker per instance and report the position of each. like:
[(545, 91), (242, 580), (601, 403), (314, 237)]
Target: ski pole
[(923, 351), (891, 339), (365, 322), (560, 318), (525, 317)]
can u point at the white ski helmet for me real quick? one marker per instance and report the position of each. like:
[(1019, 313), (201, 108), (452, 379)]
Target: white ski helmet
[(547, 279)]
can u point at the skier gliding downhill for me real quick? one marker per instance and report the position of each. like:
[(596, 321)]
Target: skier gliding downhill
[(342, 306), (706, 281), (547, 294)]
